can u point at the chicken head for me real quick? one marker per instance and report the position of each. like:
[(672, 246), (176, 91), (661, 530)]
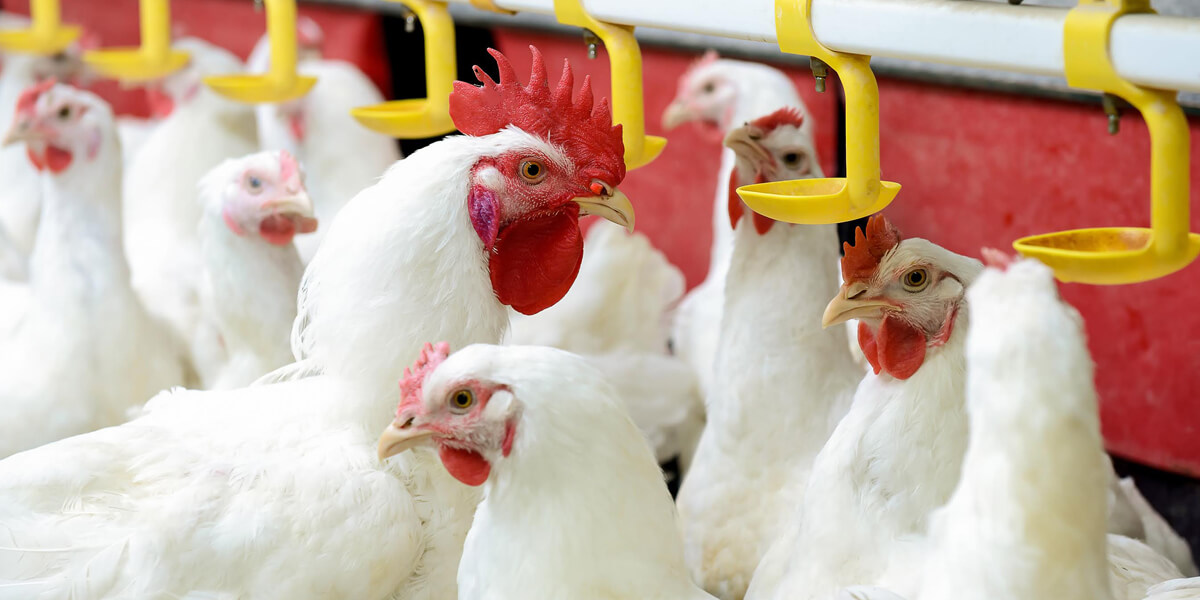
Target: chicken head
[(470, 421), (262, 193), (525, 201), (906, 294), (775, 147), (58, 124)]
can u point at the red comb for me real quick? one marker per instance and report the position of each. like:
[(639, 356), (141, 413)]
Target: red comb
[(432, 355), (30, 95), (787, 115), (861, 259), (584, 131)]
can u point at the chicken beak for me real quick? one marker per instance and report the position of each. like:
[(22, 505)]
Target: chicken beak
[(298, 208), (744, 141), (677, 114), (614, 206), (847, 305), (398, 439), (20, 131)]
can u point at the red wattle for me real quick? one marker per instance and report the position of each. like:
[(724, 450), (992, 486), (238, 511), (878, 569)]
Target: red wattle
[(161, 104), (870, 349), (57, 159), (534, 262), (464, 465), (901, 347), (296, 124), (277, 229), (735, 202)]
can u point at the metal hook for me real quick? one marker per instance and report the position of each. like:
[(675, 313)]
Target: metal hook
[(258, 5), (592, 41), (820, 71), (410, 20), (1109, 102)]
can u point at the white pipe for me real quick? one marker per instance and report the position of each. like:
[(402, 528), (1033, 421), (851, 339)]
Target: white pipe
[(1150, 50)]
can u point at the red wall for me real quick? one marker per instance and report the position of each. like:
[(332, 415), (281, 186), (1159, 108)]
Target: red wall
[(977, 168)]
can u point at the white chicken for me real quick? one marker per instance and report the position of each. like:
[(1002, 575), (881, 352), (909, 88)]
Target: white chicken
[(1028, 518), (573, 503), (617, 316), (895, 456), (78, 346), (780, 278), (275, 491), (20, 196), (339, 155), (722, 94), (160, 208), (253, 208)]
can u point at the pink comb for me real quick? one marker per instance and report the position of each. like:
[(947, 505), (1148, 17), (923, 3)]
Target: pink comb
[(709, 57), (787, 115), (288, 167), (308, 33), (997, 259), (29, 97), (861, 259), (585, 131), (432, 355)]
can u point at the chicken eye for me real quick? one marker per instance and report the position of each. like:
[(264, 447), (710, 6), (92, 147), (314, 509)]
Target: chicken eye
[(709, 87), (254, 183), (916, 280), (64, 113), (793, 159), (462, 400), (533, 171)]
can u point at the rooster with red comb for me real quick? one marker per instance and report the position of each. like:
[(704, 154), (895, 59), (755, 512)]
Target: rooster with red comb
[(276, 491)]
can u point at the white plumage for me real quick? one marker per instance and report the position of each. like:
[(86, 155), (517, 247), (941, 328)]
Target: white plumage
[(160, 208), (78, 346), (253, 206), (724, 94), (895, 456), (275, 490), (339, 155), (574, 505), (781, 383)]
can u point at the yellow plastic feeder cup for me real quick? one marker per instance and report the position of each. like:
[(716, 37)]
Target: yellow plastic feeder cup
[(281, 82), (1121, 255), (625, 71), (429, 116), (831, 199), (46, 34), (154, 59)]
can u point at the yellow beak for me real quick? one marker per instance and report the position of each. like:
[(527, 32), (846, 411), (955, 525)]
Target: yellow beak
[(846, 306), (398, 439), (676, 114), (615, 207)]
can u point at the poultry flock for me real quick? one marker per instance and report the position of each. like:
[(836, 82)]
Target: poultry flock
[(249, 367)]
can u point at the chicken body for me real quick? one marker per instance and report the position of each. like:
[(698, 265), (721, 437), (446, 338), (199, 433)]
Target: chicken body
[(1028, 519), (275, 491), (778, 283), (723, 94), (340, 156), (895, 456), (20, 197), (574, 503), (79, 345), (251, 268), (160, 208)]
